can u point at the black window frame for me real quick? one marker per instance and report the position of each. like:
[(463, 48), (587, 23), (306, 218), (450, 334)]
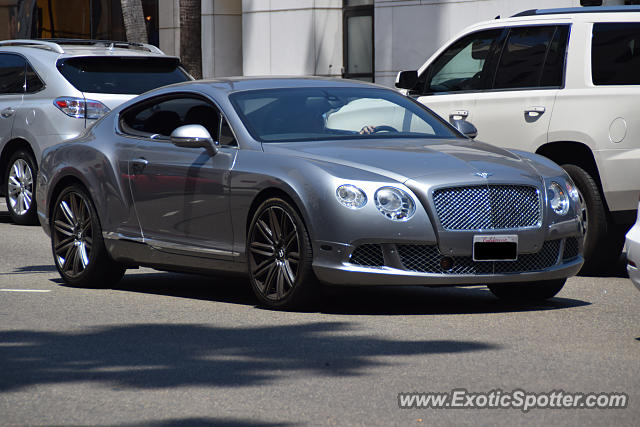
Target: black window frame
[(350, 12)]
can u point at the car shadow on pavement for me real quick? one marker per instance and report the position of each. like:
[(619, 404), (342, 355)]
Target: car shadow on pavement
[(31, 269), (206, 422), (171, 355), (360, 300), (618, 270)]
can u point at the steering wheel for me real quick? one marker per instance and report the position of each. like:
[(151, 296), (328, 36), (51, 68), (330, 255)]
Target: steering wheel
[(384, 128)]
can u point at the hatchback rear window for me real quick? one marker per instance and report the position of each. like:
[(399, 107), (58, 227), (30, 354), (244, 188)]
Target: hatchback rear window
[(615, 54), (121, 75)]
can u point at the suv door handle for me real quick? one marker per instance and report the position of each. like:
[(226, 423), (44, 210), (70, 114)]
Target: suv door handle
[(138, 165), (534, 112), (458, 115), (7, 112)]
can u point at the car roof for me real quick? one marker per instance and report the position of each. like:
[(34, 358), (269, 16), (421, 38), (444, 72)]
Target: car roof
[(238, 84), (80, 47), (564, 15)]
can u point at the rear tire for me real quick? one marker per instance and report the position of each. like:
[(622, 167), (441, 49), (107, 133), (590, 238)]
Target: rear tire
[(603, 240), (78, 249), (20, 188), (280, 256), (527, 291)]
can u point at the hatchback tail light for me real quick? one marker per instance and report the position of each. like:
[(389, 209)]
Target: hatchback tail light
[(81, 108)]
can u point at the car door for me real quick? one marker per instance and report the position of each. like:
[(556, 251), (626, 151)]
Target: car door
[(450, 83), (12, 84), (515, 111), (180, 194)]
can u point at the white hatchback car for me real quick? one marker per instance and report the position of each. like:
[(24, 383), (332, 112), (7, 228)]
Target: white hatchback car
[(564, 83), (633, 251)]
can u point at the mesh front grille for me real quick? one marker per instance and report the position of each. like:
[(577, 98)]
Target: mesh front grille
[(492, 207), (426, 259), (545, 258), (571, 248), (368, 255)]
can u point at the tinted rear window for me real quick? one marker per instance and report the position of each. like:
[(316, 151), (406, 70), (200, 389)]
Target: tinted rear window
[(121, 75), (615, 54)]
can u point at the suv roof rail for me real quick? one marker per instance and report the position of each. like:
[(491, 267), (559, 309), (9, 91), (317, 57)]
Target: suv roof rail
[(42, 44), (566, 10), (107, 43)]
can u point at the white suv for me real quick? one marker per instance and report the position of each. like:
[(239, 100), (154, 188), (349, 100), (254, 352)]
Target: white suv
[(564, 83), (52, 90)]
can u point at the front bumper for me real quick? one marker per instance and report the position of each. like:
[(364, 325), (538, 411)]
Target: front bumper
[(400, 263)]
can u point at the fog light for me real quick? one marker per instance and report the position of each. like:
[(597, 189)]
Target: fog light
[(446, 263)]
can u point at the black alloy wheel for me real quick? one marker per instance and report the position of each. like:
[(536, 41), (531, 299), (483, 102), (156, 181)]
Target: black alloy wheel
[(76, 241), (280, 256)]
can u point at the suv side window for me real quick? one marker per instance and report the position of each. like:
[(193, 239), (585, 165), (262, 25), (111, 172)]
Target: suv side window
[(12, 73), (532, 57), (33, 82), (463, 66), (615, 54), (165, 115)]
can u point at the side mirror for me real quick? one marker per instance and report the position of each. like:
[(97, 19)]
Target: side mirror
[(466, 128), (194, 136), (407, 79)]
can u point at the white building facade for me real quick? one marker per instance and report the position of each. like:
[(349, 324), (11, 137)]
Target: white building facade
[(364, 39)]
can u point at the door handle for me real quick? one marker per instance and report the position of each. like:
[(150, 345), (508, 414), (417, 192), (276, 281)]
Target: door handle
[(458, 115), (7, 112), (534, 112), (138, 165)]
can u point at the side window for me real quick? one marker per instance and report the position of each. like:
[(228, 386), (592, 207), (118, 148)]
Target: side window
[(523, 57), (615, 54), (12, 69), (162, 117), (33, 83), (463, 66), (226, 134), (553, 72)]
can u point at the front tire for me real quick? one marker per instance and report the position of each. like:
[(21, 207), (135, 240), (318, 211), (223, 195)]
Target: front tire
[(280, 256), (603, 240), (76, 242), (527, 291), (19, 188)]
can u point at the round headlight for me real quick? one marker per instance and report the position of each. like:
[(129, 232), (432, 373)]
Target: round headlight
[(558, 199), (572, 191), (394, 203), (351, 196)]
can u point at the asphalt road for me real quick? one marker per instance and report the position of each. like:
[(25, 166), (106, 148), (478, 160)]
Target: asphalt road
[(167, 349)]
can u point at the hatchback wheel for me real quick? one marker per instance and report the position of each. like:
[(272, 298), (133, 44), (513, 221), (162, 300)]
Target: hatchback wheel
[(527, 291), (280, 256), (76, 239), (20, 185)]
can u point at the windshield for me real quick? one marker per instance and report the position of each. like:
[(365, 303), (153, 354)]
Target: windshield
[(327, 113), (121, 75)]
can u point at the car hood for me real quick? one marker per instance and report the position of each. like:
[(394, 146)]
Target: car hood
[(420, 160)]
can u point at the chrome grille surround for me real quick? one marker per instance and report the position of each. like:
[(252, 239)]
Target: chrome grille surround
[(488, 207)]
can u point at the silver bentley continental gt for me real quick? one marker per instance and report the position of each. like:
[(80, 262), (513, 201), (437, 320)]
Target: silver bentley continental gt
[(299, 182)]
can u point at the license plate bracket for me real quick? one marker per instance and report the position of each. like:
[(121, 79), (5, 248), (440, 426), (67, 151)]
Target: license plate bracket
[(495, 247)]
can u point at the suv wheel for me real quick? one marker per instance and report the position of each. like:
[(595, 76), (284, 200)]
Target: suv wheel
[(20, 186), (602, 243)]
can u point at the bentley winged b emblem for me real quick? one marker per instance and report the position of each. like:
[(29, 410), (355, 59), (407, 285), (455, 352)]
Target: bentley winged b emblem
[(484, 175)]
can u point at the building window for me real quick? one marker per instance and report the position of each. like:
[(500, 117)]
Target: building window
[(358, 52), (74, 19)]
